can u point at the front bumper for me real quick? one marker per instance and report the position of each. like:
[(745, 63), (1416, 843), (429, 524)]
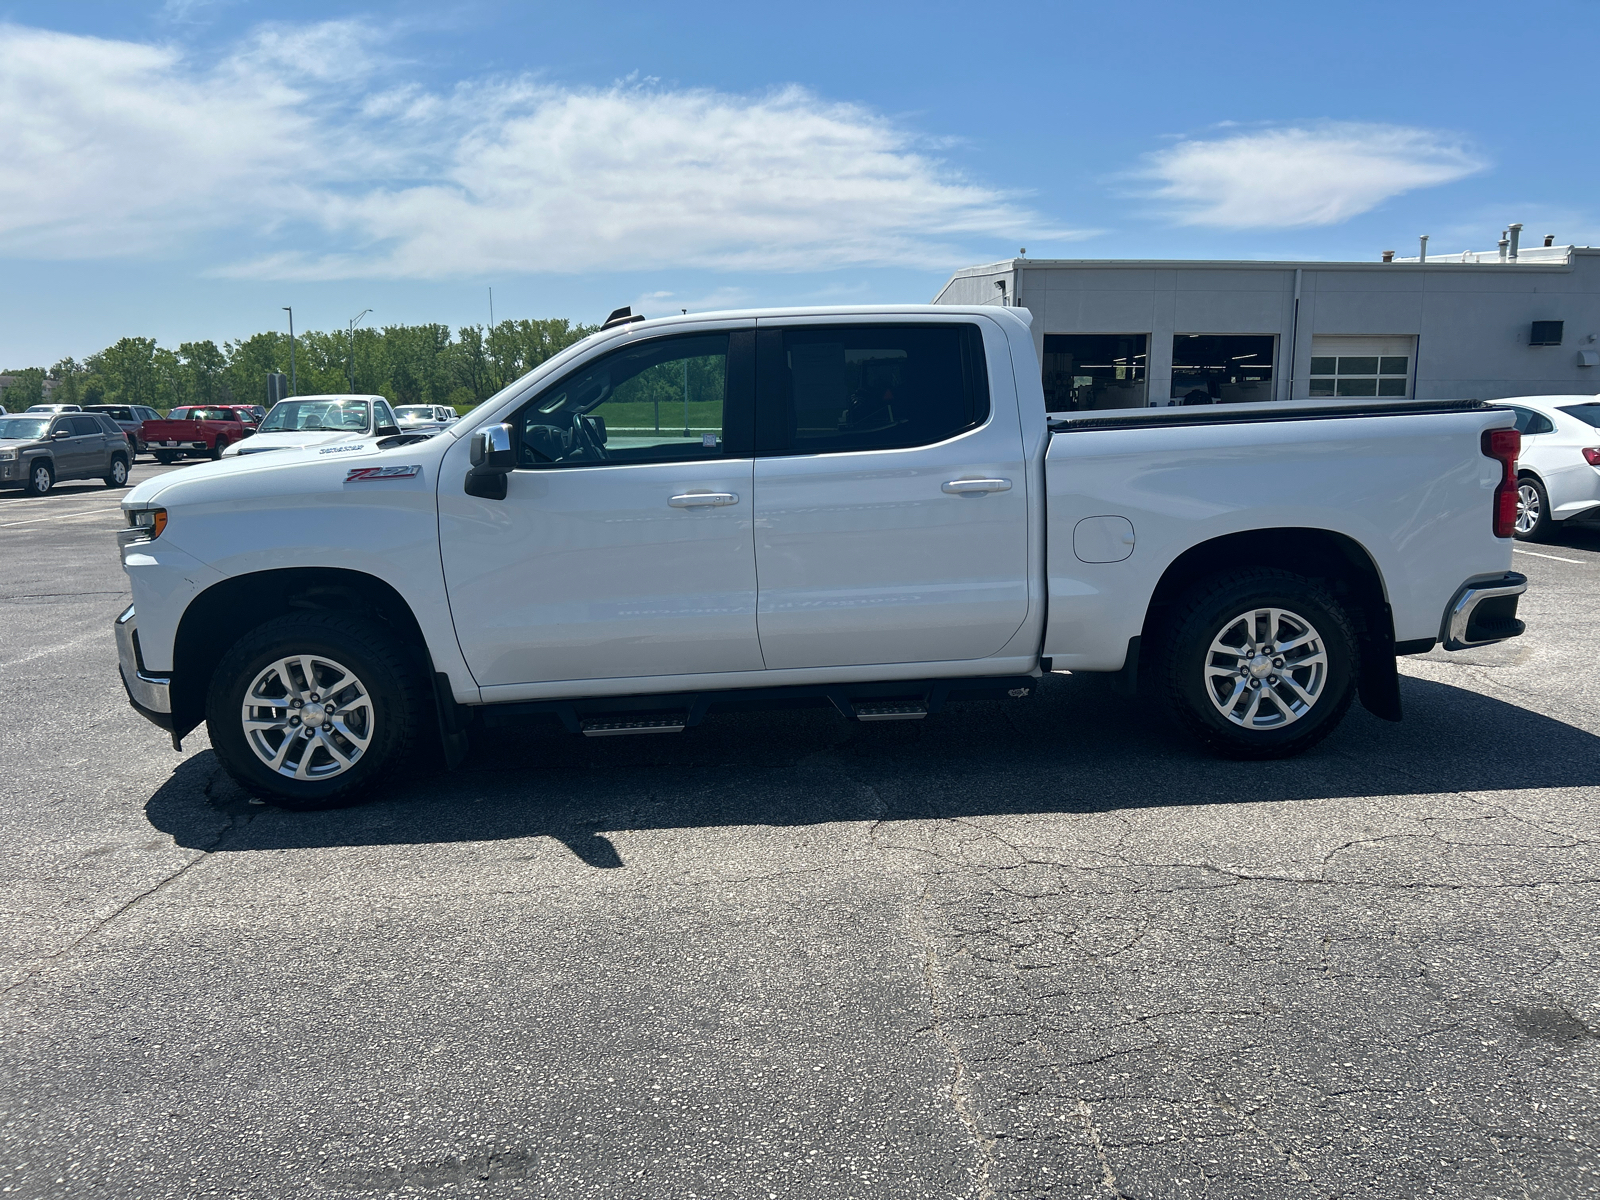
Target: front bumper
[(1484, 611), (150, 695)]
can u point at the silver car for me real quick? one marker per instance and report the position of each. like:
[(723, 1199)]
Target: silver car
[(38, 450), (424, 418)]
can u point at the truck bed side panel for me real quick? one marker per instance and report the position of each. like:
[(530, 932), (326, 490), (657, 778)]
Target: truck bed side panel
[(1414, 490)]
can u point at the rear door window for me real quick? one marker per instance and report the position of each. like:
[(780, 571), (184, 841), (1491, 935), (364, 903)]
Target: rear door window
[(1530, 422), (835, 388), (86, 427), (1587, 413)]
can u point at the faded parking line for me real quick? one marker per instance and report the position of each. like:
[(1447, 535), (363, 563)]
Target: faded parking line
[(1556, 557), (60, 517)]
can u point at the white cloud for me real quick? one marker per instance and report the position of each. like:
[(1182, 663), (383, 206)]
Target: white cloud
[(292, 145), (1305, 175)]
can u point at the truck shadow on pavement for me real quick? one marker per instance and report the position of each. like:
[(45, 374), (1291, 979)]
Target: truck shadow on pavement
[(1073, 748)]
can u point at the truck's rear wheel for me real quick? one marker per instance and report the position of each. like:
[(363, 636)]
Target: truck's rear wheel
[(313, 710), (1258, 664)]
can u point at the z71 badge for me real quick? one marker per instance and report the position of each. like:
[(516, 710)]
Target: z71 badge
[(361, 473)]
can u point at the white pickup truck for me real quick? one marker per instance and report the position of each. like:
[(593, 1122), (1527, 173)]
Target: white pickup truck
[(863, 507)]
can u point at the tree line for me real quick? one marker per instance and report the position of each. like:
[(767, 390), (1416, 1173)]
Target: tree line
[(408, 364)]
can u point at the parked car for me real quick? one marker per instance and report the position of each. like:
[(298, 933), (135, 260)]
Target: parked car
[(424, 418), (322, 421), (258, 411), (867, 508), (129, 418), (39, 450), (1558, 470), (54, 408), (205, 429)]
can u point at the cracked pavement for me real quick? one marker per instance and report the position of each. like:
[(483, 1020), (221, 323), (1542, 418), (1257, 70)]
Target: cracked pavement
[(1022, 950)]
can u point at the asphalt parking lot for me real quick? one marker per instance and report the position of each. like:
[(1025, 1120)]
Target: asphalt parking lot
[(1040, 949)]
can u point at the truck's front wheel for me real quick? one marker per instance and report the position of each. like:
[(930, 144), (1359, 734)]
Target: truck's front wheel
[(1258, 664), (313, 710)]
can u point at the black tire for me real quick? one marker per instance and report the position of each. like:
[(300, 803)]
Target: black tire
[(41, 477), (217, 447), (117, 477), (393, 686), (1533, 510), (167, 457), (1218, 610)]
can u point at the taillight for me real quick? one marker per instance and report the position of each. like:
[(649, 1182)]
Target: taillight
[(1591, 455), (1504, 445)]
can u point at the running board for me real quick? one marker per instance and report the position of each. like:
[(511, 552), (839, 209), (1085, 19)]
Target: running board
[(890, 710), (608, 727)]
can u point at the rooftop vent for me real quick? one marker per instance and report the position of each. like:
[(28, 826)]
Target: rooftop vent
[(1388, 256)]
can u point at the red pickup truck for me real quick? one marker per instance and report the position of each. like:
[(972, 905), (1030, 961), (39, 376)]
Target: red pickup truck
[(198, 429)]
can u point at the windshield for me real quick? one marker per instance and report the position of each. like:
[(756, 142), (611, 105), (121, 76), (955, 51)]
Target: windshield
[(1589, 414), (414, 412), (22, 428), (289, 416)]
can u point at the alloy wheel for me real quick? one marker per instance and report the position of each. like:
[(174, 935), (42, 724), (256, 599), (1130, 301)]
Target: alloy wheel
[(1266, 668), (1528, 507), (308, 717)]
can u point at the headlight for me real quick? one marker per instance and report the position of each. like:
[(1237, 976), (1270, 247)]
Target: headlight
[(144, 525), (7, 455)]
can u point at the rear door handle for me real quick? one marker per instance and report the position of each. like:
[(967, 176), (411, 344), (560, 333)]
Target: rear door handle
[(707, 499), (962, 487)]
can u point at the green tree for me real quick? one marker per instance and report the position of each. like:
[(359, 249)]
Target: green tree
[(26, 388), (250, 361), (130, 370), (203, 365), (70, 376)]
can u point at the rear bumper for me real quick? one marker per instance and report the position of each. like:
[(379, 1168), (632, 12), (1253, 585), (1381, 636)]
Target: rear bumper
[(1484, 611), (150, 695)]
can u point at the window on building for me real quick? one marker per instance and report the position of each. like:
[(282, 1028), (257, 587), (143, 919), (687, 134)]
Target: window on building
[(1221, 368), (1094, 370), (1361, 366)]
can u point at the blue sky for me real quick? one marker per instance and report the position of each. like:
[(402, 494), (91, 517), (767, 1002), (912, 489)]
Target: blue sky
[(182, 170)]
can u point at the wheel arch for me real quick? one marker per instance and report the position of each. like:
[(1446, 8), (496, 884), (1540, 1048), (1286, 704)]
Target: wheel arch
[(245, 602), (1335, 560)]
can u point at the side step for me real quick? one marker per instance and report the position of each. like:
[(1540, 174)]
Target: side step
[(617, 726), (890, 710)]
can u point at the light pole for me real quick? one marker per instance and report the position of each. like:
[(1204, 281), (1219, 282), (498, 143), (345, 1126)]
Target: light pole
[(353, 321), (293, 389)]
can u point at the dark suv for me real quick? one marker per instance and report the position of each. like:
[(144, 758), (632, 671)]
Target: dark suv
[(38, 449), (128, 418)]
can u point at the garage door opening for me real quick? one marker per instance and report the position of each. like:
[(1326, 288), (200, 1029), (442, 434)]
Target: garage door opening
[(1221, 368), (1094, 370)]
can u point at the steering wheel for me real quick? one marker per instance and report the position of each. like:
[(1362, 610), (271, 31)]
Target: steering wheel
[(589, 446)]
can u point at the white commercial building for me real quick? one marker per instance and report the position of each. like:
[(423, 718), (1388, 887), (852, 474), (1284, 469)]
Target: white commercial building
[(1129, 333)]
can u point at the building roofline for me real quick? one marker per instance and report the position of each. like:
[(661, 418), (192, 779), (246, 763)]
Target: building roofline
[(1256, 264)]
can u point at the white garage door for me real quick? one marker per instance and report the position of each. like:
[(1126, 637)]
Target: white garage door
[(1362, 366)]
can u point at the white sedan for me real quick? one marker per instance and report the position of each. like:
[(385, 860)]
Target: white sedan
[(1559, 468)]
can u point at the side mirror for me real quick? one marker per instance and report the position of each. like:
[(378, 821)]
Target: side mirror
[(388, 430), (61, 433), (492, 460)]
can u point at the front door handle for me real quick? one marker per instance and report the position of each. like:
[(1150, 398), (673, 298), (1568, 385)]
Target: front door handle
[(706, 499), (966, 487)]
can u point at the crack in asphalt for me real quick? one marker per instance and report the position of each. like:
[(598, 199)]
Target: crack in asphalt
[(138, 898)]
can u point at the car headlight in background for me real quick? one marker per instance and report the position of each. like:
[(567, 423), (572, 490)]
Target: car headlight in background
[(7, 455)]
